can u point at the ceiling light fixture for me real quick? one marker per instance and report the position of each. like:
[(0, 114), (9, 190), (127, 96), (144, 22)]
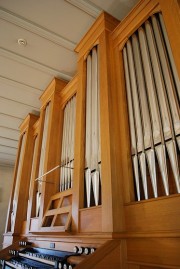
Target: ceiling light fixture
[(22, 42)]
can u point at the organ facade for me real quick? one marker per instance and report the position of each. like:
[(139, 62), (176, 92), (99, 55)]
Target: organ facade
[(97, 180)]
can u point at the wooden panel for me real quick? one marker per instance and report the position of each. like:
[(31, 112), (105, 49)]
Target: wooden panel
[(90, 219), (132, 266), (153, 215), (155, 251), (25, 227), (69, 90), (112, 260), (110, 143), (172, 24)]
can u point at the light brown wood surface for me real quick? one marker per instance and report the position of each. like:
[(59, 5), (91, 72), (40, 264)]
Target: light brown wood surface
[(127, 234)]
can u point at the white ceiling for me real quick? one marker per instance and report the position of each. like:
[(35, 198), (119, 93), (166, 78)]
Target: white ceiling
[(52, 28)]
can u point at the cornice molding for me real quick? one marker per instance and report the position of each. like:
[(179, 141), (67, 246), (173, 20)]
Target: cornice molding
[(105, 22), (86, 6), (36, 29), (34, 64), (56, 86), (28, 122)]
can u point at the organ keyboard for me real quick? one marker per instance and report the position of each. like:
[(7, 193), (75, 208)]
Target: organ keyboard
[(34, 257)]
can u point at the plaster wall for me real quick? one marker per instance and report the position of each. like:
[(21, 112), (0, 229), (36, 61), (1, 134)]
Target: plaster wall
[(6, 179)]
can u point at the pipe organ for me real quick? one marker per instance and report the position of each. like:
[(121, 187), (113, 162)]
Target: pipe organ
[(97, 180)]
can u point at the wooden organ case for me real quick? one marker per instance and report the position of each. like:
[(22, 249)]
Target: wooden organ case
[(98, 172)]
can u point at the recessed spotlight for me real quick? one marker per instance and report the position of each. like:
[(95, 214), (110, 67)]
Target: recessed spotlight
[(22, 42)]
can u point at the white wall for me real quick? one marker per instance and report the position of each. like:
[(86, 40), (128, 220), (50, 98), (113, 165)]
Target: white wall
[(6, 179)]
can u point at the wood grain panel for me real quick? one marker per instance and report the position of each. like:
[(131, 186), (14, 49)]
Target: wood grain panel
[(157, 251), (153, 215), (90, 219)]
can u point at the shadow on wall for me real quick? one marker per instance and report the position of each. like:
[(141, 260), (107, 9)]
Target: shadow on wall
[(0, 195), (6, 179)]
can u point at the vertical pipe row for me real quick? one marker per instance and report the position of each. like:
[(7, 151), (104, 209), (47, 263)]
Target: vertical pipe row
[(42, 158), (32, 167), (92, 146), (152, 86), (67, 152), (14, 205)]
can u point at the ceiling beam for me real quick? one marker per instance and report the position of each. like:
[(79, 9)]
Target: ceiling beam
[(18, 84), (4, 141), (26, 61)]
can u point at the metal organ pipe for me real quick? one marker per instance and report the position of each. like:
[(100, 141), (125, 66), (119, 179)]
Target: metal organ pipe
[(67, 153), (132, 125), (152, 86), (92, 146)]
